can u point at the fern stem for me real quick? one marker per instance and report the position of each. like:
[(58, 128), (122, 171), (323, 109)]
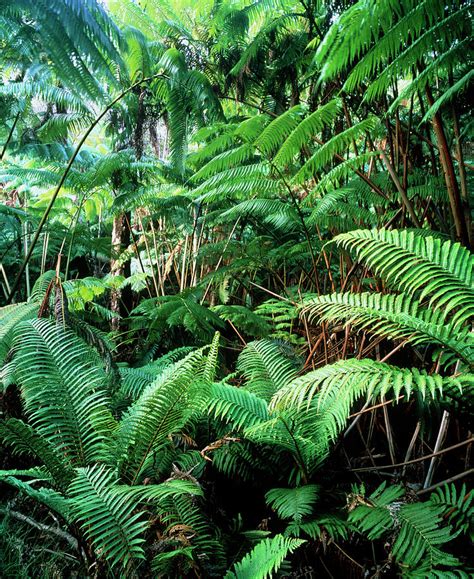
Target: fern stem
[(415, 460), (449, 175), (445, 482), (10, 135), (406, 201)]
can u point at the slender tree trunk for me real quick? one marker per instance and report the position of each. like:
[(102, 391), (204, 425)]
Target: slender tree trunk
[(120, 240), (447, 164), (462, 176)]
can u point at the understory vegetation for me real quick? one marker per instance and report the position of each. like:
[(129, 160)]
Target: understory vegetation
[(237, 295)]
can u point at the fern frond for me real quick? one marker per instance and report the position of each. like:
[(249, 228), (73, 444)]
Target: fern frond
[(293, 503), (457, 505), (63, 386), (26, 440), (337, 144), (230, 158), (10, 317), (375, 515), (266, 368), (408, 262), (460, 85), (45, 496), (276, 132), (264, 559), (393, 316), (237, 406), (307, 128), (109, 519), (162, 409), (421, 533), (331, 391)]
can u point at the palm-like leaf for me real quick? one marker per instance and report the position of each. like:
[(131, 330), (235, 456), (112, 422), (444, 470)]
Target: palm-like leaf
[(265, 559), (162, 409), (109, 519), (63, 385)]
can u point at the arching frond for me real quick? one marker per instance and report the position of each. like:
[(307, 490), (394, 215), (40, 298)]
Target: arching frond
[(332, 390), (440, 270), (337, 144), (64, 388), (266, 367), (265, 559), (394, 316), (237, 406)]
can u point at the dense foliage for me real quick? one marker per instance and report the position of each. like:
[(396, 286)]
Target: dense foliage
[(236, 288)]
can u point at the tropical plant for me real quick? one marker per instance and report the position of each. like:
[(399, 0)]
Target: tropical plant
[(236, 295)]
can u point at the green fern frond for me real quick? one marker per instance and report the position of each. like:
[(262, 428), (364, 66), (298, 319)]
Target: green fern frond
[(302, 134), (184, 510), (421, 534), (293, 503), (338, 144), (276, 132), (330, 525), (294, 433), (331, 391), (457, 505), (393, 316), (266, 367), (440, 269), (50, 498), (237, 406), (375, 515), (264, 559), (109, 519), (163, 408), (26, 440), (460, 85), (337, 176), (10, 317), (63, 386), (245, 319)]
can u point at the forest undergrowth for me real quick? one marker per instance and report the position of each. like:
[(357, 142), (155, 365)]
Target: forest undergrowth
[(237, 296)]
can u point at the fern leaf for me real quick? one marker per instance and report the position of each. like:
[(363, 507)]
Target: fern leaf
[(266, 368), (237, 406), (293, 503), (264, 559), (107, 517)]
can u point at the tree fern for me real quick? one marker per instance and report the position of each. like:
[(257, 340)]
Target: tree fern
[(439, 270), (302, 134)]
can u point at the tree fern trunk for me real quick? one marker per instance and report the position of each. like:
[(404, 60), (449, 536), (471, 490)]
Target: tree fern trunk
[(454, 195)]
